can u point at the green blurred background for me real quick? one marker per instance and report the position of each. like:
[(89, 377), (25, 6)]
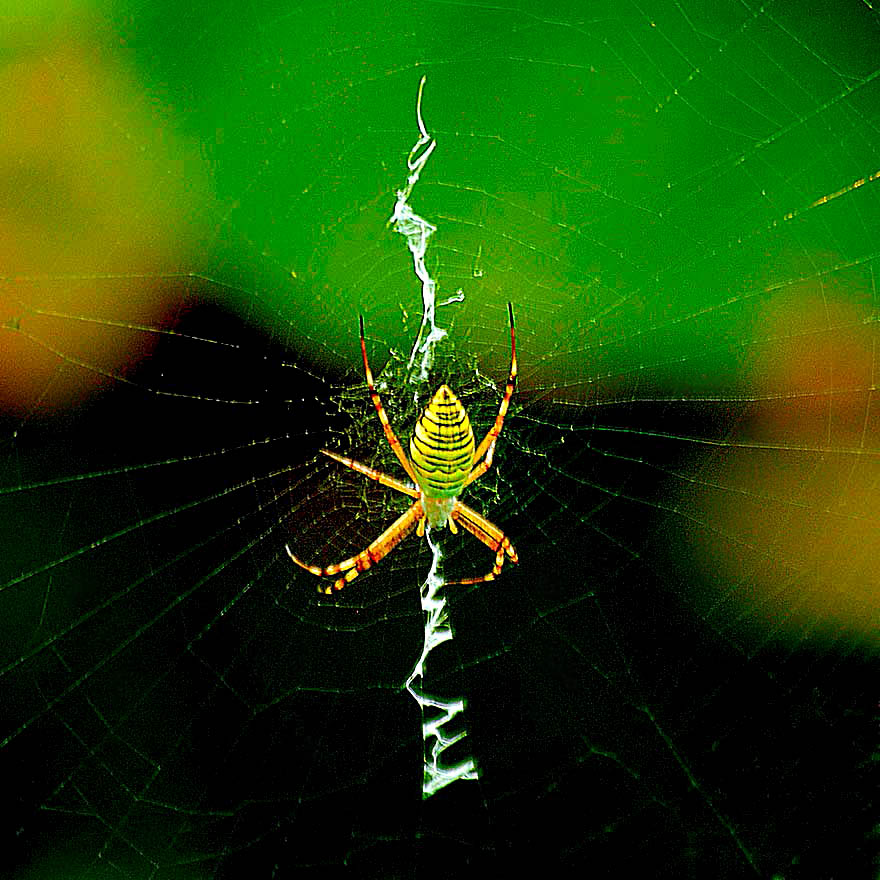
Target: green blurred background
[(646, 180)]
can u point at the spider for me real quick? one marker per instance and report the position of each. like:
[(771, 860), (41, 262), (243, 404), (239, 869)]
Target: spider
[(443, 460)]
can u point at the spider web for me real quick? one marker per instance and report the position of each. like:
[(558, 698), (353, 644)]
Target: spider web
[(680, 200)]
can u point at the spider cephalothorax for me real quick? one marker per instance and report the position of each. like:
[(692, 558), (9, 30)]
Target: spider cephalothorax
[(443, 461)]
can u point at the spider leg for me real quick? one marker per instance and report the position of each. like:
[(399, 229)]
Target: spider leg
[(383, 418), (377, 551), (490, 535), (378, 476), (487, 447)]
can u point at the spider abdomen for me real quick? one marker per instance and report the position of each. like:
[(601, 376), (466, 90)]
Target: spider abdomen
[(442, 446)]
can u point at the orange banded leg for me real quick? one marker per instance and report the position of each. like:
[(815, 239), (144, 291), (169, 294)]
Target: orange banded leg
[(377, 551), (373, 474), (383, 418), (490, 535), (487, 446)]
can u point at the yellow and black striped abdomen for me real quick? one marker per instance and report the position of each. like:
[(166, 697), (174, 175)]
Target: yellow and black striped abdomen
[(442, 446)]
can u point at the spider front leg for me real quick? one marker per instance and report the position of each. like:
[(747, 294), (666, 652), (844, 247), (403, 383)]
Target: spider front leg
[(377, 551), (490, 535)]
